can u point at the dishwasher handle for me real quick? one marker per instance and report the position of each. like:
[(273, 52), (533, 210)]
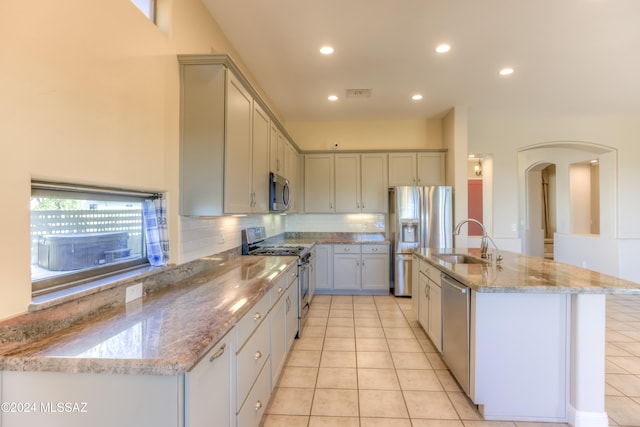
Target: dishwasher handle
[(463, 289)]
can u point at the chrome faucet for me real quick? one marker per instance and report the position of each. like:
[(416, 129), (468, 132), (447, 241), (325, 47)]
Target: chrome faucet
[(484, 243)]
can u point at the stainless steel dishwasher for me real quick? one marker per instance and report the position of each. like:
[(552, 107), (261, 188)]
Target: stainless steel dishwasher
[(455, 329)]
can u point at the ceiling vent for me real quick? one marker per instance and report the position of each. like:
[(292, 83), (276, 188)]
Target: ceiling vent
[(358, 93)]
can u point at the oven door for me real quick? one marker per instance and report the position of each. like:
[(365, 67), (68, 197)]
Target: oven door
[(303, 294), (279, 193)]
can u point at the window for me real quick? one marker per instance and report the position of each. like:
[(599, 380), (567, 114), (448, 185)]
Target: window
[(81, 233), (148, 7)]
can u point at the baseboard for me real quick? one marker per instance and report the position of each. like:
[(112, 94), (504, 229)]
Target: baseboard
[(587, 419)]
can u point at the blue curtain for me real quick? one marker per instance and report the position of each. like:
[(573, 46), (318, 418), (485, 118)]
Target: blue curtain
[(155, 228)]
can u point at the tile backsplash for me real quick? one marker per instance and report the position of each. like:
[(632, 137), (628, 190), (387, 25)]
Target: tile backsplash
[(205, 236)]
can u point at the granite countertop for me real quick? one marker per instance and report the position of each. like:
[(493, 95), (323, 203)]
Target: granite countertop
[(164, 333), (522, 273)]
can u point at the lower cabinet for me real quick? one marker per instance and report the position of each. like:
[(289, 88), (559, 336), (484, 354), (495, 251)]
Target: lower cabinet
[(208, 387), (361, 268), (230, 386), (323, 268), (429, 301)]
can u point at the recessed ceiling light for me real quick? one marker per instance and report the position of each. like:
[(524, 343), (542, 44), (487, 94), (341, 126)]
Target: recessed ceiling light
[(332, 98), (416, 97), (326, 50), (443, 48), (506, 71)]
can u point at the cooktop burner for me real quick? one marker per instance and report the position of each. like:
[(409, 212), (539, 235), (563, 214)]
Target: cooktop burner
[(282, 251), (254, 243)]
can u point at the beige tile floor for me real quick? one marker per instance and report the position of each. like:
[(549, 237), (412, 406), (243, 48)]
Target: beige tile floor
[(364, 361)]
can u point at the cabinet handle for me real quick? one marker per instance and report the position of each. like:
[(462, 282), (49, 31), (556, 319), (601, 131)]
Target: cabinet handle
[(257, 356), (280, 289), (347, 249), (258, 405), (257, 316), (374, 249), (218, 353)]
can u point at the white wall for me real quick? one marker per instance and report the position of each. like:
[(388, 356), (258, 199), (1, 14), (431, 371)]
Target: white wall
[(504, 135), (367, 134)]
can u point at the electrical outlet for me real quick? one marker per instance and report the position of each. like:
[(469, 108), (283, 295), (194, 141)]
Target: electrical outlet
[(133, 293), (221, 237)]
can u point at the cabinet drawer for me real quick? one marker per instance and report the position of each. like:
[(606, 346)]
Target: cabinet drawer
[(251, 412), (279, 289), (251, 359), (291, 275), (251, 320), (425, 267), (346, 249), (375, 249)]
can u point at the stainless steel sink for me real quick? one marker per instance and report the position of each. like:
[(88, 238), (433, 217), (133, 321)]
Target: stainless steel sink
[(460, 259)]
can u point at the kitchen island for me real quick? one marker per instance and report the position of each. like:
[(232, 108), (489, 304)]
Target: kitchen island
[(535, 335)]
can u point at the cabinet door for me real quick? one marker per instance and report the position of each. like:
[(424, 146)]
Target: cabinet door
[(208, 388), (415, 285), (324, 267), (202, 140), (278, 335), (346, 267), (374, 183), (402, 169), (318, 183), (347, 180), (435, 313), (292, 168), (375, 271), (431, 169), (260, 161), (423, 317), (237, 166), (291, 313), (276, 151)]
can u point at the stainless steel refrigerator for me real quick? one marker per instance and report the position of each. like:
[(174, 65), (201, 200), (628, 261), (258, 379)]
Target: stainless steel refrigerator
[(419, 217)]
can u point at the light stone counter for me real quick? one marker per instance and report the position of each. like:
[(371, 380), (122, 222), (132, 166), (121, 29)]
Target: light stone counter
[(164, 333), (522, 273), (536, 332)]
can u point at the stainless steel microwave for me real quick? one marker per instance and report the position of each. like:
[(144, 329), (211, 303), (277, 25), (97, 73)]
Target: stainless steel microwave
[(279, 193)]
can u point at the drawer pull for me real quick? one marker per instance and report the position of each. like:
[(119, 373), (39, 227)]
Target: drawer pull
[(258, 405), (374, 249), (347, 249), (218, 353), (257, 356), (280, 289), (257, 316)]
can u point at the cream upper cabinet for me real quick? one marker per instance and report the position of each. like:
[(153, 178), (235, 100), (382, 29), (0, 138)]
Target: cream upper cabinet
[(224, 142), (421, 168), (347, 180), (292, 173), (318, 183), (431, 168), (402, 169), (361, 183), (277, 151), (237, 153), (215, 145), (260, 161), (374, 183)]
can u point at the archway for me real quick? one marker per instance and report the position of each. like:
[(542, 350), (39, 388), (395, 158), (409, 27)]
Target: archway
[(582, 201)]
